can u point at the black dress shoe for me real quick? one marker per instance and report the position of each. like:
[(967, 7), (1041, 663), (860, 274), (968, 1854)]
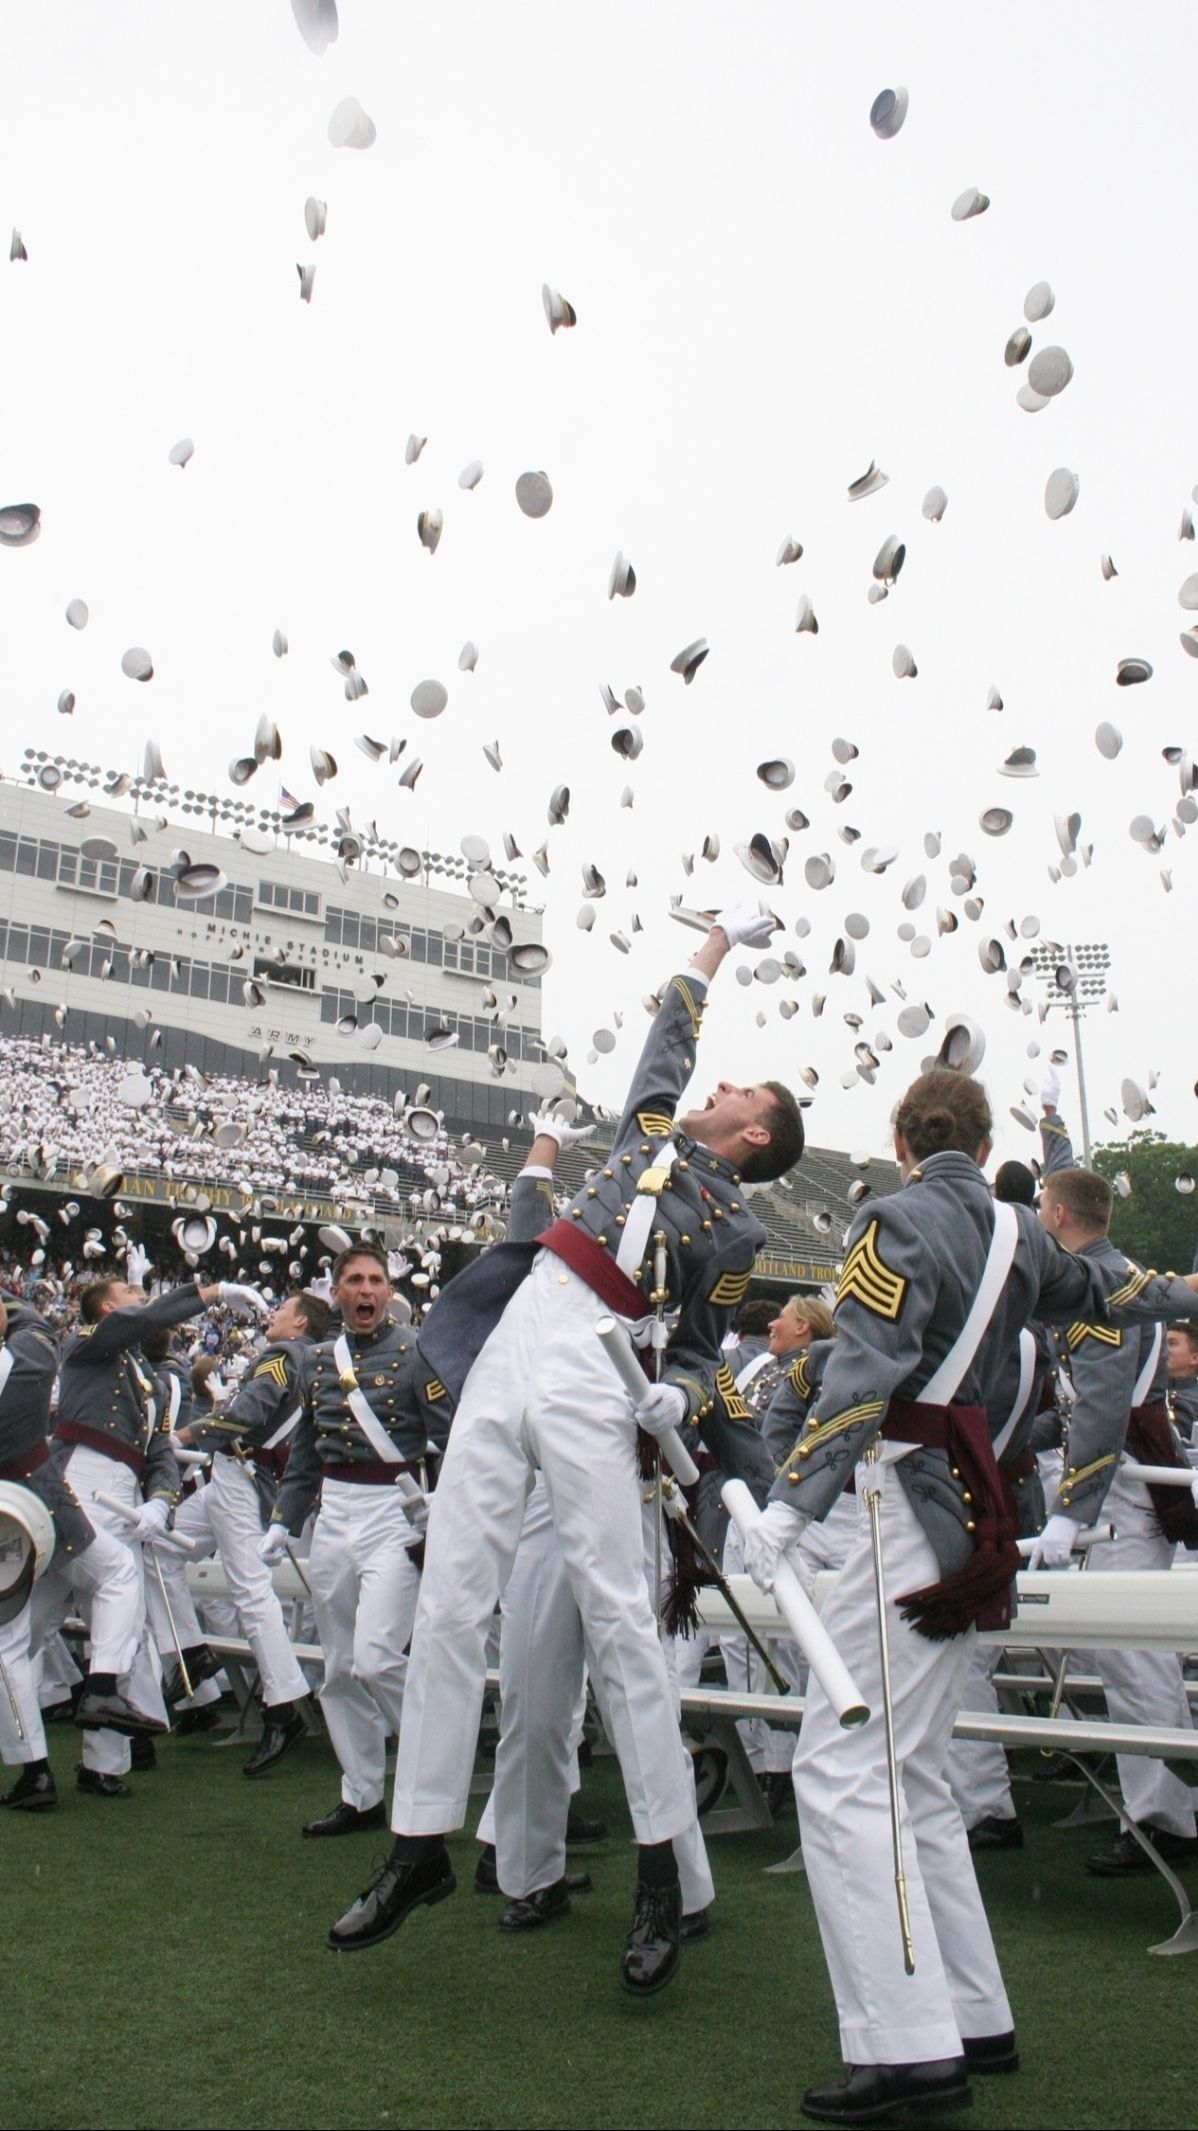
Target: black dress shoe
[(530, 1911), (777, 1788), (994, 1833), (111, 1712), (192, 1721), (580, 1831), (33, 1792), (651, 1950), (99, 1785), (870, 2093), (347, 1820), (142, 1755), (202, 1664), (486, 1877), (279, 1735), (400, 1887), (1125, 1857), (991, 2053), (694, 1926)]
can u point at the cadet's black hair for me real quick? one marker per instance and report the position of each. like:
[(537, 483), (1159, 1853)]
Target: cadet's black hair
[(942, 1111), (754, 1317), (360, 1250), (1015, 1184), (93, 1298), (317, 1314), (1086, 1197), (783, 1120)]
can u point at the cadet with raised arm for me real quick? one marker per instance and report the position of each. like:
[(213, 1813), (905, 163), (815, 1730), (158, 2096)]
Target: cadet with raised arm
[(542, 1393)]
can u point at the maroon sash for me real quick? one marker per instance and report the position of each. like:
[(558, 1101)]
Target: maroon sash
[(980, 1594), (1150, 1439)]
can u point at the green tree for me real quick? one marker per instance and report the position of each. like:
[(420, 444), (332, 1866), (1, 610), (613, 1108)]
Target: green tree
[(1156, 1223)]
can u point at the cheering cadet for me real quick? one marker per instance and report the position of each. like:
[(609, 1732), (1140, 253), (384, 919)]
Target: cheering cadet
[(110, 1440), (936, 1284), (1118, 1378), (28, 1364), (372, 1409), (666, 1216), (249, 1438)]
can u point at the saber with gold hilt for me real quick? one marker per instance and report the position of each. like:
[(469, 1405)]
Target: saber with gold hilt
[(658, 1335), (873, 1503)]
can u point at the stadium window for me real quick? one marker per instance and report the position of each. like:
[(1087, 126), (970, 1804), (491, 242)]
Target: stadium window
[(47, 862), (285, 973), (26, 855)]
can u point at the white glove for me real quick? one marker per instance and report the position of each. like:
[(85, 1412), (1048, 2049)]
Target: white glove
[(152, 1520), (776, 1530), (273, 1544), (322, 1286), (137, 1264), (246, 1300), (743, 925), (1050, 1090), (545, 1124), (663, 1407), (1054, 1546)]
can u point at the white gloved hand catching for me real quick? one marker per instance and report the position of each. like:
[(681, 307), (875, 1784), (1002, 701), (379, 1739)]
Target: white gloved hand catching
[(273, 1544), (743, 925), (1050, 1089), (1054, 1546), (545, 1125), (137, 1264), (245, 1300), (776, 1530), (152, 1520), (322, 1286), (663, 1407)]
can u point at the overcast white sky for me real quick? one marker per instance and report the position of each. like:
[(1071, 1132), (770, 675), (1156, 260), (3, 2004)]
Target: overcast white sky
[(768, 297)]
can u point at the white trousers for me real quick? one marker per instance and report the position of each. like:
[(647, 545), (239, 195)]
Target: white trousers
[(976, 1771), (886, 2016), (232, 1501), (56, 1672), (541, 1393), (191, 1522), (364, 1592), (541, 1684), (1142, 1686), (18, 1685), (109, 1578)]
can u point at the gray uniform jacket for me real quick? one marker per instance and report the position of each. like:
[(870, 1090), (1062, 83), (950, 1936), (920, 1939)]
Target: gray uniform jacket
[(911, 1271), (1103, 1362), (402, 1392), (275, 1383), (106, 1387), (712, 1238), (793, 1398), (402, 1389), (25, 1422)]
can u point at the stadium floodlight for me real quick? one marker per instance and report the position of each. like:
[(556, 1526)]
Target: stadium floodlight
[(1076, 979)]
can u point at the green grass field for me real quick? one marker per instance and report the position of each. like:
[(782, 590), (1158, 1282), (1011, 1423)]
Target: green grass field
[(166, 1966)]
